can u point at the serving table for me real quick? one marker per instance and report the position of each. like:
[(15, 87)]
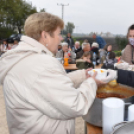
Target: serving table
[(70, 67), (91, 129)]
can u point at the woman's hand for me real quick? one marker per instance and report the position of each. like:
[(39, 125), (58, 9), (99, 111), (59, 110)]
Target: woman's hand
[(85, 58), (86, 71), (112, 75), (98, 82), (88, 60)]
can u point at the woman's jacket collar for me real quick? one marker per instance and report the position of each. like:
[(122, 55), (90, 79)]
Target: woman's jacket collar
[(34, 43)]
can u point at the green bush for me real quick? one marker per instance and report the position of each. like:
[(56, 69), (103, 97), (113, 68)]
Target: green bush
[(76, 39), (117, 53), (121, 42)]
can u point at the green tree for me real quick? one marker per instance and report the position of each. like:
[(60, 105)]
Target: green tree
[(121, 42), (6, 32), (42, 10), (13, 13), (69, 27)]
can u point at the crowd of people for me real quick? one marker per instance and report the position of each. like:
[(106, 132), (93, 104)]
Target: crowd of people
[(83, 54), (80, 54), (86, 55), (5, 46)]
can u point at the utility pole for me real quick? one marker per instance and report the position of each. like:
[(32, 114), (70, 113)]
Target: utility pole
[(76, 28), (62, 8), (62, 5)]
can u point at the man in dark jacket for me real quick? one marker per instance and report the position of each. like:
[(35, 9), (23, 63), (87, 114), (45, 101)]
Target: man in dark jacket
[(70, 41), (77, 47), (85, 48)]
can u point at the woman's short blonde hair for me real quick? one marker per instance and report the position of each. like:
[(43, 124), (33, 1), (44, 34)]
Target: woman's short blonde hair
[(38, 22)]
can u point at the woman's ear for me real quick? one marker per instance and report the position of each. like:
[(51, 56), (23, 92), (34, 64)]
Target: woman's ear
[(43, 38), (43, 34)]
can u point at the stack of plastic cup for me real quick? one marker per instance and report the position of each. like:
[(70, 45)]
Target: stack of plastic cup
[(131, 113), (113, 113)]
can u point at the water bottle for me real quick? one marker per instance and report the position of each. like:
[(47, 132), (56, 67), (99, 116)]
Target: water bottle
[(69, 52), (66, 59), (94, 59)]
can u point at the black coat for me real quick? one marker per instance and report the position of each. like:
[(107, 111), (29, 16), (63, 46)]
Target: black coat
[(70, 41), (96, 50), (78, 50), (125, 77)]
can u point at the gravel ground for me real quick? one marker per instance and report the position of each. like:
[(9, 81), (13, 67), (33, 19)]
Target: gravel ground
[(79, 123)]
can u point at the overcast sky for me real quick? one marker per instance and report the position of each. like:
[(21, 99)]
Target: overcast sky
[(113, 16)]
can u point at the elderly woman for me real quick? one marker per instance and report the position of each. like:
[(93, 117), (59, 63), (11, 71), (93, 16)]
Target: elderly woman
[(40, 97), (77, 47), (85, 48), (65, 49), (95, 47), (128, 54)]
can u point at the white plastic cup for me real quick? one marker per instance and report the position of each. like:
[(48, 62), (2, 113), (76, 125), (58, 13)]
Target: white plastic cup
[(112, 113), (131, 113)]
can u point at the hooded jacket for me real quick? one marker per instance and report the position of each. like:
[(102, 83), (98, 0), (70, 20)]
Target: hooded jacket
[(40, 97)]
